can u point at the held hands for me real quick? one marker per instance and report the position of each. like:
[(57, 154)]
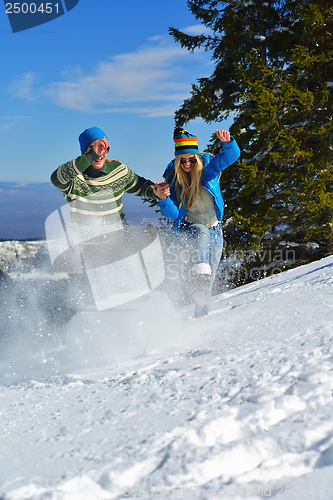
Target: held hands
[(161, 190), (223, 135)]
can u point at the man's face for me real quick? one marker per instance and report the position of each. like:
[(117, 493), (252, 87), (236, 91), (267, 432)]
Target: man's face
[(101, 147)]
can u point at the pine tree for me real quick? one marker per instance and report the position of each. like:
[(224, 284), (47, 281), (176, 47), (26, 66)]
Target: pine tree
[(274, 74)]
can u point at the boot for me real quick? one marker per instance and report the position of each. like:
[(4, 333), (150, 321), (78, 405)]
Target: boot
[(200, 311), (201, 289)]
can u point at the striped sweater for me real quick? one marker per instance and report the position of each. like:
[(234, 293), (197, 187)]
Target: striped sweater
[(102, 196)]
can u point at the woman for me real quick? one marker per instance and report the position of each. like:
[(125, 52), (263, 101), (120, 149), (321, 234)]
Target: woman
[(191, 197)]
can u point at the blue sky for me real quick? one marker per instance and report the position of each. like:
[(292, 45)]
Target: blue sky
[(105, 63)]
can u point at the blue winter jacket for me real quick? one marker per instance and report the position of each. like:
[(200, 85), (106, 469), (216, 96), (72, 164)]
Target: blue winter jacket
[(212, 166)]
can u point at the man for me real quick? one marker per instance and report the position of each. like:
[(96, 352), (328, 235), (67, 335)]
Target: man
[(96, 240), (94, 186)]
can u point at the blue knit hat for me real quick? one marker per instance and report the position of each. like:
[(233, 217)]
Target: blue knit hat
[(185, 143), (90, 135)]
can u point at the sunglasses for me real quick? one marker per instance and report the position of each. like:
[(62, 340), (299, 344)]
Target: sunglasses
[(192, 160)]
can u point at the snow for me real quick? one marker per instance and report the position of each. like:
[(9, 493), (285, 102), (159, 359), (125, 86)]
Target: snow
[(147, 401), (11, 250)]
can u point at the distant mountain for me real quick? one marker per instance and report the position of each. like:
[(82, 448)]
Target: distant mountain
[(24, 208)]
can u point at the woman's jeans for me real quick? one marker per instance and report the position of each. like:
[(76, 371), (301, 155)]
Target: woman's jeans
[(196, 255), (206, 246)]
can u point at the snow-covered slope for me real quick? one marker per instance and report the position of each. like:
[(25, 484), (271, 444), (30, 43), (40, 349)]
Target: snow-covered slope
[(12, 251), (149, 403)]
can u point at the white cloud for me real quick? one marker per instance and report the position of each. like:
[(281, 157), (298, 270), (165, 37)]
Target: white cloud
[(23, 87), (158, 74), (152, 81), (198, 29), (147, 111), (11, 122)]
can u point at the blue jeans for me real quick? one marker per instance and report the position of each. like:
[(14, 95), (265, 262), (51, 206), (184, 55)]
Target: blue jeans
[(205, 245)]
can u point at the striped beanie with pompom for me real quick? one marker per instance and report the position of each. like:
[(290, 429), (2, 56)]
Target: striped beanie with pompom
[(185, 143)]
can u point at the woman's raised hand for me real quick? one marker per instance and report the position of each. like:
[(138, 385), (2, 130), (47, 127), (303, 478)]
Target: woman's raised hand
[(223, 135)]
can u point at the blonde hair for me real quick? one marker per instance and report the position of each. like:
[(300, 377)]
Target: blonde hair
[(187, 184)]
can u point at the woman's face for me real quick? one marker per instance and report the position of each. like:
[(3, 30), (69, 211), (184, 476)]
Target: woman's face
[(187, 162)]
